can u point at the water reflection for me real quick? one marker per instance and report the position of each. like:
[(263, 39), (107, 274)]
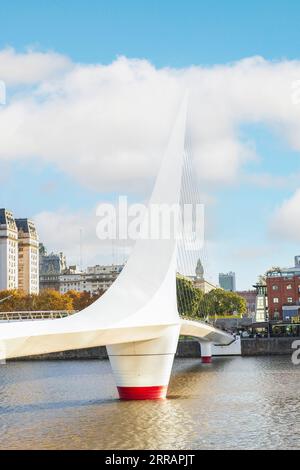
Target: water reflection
[(234, 403)]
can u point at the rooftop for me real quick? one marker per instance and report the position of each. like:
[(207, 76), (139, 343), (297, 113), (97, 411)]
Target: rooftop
[(6, 218), (26, 226)]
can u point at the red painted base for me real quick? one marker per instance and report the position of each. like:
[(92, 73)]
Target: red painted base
[(142, 393), (206, 359)]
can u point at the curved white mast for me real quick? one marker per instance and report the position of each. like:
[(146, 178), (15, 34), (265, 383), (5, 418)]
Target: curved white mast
[(137, 317), (144, 294)]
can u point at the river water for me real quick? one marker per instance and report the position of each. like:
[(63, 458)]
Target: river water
[(235, 403)]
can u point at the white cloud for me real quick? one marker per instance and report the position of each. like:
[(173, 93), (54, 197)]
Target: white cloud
[(285, 223), (107, 125), (31, 67), (67, 231)]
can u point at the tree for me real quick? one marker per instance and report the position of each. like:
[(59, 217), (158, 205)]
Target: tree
[(262, 279), (19, 301), (52, 300), (188, 297), (276, 269), (81, 300), (221, 302)]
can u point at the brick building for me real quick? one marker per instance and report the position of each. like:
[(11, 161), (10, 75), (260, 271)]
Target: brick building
[(250, 297), (283, 290)]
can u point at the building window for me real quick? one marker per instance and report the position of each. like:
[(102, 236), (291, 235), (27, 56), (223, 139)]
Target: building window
[(289, 286), (290, 300), (275, 287), (275, 300)]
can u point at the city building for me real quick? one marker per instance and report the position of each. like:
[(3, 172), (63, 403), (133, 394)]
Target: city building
[(199, 281), (71, 279), (291, 313), (283, 290), (51, 266), (55, 275), (205, 286), (227, 281), (101, 277), (250, 297), (28, 256), (96, 278), (8, 251), (261, 303), (19, 254), (199, 270)]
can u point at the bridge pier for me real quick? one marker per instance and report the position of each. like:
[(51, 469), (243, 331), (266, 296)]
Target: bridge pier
[(142, 369), (206, 352)]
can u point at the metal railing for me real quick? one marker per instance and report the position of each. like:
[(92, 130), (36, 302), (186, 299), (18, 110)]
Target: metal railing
[(36, 315)]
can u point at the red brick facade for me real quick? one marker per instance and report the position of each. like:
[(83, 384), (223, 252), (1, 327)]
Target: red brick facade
[(250, 297), (282, 290)]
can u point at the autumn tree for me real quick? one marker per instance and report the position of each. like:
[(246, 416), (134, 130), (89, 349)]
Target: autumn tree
[(52, 300), (81, 300), (14, 300), (19, 301)]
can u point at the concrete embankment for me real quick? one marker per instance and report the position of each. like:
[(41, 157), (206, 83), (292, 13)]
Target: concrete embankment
[(250, 347), (184, 349), (268, 346)]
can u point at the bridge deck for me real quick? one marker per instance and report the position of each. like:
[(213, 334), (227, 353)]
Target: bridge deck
[(205, 332)]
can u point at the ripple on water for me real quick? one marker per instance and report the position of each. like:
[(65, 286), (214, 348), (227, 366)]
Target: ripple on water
[(234, 403)]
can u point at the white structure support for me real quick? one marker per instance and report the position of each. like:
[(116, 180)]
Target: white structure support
[(137, 317), (206, 352), (142, 369)]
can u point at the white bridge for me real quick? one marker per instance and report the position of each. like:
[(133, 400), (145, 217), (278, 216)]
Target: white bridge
[(137, 317)]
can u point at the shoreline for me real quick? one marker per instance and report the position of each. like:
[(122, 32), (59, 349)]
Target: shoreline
[(251, 347)]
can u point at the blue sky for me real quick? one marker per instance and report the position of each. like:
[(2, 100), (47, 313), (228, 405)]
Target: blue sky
[(175, 34), (170, 32)]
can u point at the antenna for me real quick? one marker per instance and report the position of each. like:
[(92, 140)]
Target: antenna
[(80, 249)]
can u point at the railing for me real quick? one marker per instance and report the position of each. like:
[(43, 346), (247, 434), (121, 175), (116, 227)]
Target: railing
[(211, 319), (192, 318), (37, 315)]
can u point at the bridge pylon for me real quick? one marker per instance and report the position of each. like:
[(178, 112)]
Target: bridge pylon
[(142, 369), (206, 352), (137, 317)]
